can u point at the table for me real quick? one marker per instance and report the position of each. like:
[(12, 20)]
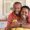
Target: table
[(20, 28)]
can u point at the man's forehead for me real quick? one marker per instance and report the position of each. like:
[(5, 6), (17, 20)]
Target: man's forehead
[(17, 5)]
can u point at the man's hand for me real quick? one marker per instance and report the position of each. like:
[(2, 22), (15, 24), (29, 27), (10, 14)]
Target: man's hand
[(14, 23)]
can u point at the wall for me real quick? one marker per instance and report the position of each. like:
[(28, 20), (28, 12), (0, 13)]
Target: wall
[(0, 8), (28, 3), (8, 4)]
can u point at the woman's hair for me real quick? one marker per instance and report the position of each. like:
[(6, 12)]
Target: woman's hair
[(29, 9), (25, 7)]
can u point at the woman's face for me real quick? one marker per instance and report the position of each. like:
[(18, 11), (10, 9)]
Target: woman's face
[(24, 12)]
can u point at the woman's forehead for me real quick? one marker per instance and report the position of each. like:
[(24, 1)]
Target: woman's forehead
[(24, 9)]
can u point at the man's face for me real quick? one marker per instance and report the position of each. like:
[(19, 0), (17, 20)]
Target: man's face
[(17, 8), (24, 12)]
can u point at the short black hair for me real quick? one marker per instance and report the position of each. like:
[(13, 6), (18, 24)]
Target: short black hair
[(25, 7)]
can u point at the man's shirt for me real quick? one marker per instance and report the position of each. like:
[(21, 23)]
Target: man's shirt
[(11, 17)]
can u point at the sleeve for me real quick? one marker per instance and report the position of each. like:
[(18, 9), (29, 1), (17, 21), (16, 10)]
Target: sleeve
[(8, 22)]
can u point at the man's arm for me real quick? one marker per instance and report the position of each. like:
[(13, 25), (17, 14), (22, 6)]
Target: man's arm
[(9, 22)]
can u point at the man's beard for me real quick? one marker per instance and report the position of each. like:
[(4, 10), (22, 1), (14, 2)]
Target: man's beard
[(17, 13)]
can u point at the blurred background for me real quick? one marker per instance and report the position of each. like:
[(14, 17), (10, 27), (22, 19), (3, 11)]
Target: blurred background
[(6, 7)]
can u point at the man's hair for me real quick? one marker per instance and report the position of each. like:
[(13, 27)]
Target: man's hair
[(16, 3), (25, 7)]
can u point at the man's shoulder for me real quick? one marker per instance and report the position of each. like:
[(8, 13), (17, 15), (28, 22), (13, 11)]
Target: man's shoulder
[(11, 14)]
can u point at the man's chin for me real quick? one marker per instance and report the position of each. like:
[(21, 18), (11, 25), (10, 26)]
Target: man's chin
[(17, 15)]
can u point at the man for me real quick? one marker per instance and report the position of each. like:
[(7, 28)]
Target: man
[(14, 15), (24, 15)]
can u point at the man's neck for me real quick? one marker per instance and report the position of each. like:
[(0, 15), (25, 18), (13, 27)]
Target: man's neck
[(17, 14)]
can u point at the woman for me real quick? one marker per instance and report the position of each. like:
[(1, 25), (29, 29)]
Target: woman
[(24, 15)]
